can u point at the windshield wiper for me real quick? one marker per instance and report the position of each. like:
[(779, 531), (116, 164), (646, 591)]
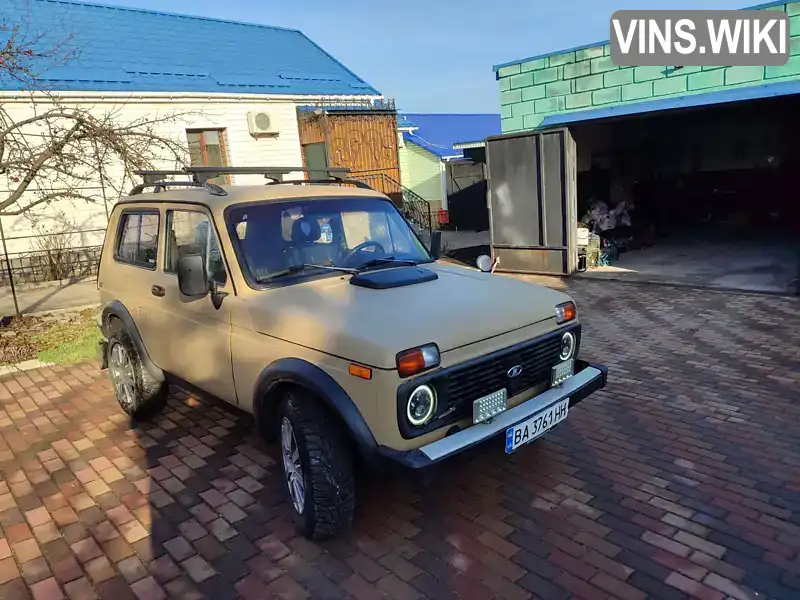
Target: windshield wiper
[(370, 263), (298, 268), (384, 260)]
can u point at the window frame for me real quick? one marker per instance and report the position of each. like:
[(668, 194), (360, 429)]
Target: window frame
[(212, 229), (118, 238), (223, 149)]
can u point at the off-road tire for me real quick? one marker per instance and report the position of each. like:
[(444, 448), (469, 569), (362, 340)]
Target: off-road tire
[(150, 394), (327, 465)]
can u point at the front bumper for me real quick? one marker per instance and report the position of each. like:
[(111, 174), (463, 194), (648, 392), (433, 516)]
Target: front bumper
[(587, 379)]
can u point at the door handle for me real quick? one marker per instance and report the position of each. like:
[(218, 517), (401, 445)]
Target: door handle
[(158, 290)]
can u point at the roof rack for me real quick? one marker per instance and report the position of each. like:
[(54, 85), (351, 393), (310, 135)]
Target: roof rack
[(276, 174), (160, 186), (332, 180), (154, 176), (200, 177)]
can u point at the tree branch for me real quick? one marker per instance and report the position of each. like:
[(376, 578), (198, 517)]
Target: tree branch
[(57, 150), (46, 198), (36, 166)]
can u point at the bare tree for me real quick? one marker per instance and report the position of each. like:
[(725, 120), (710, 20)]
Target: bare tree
[(61, 150), (24, 54)]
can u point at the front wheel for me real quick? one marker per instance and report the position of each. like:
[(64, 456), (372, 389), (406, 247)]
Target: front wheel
[(317, 467), (138, 393)]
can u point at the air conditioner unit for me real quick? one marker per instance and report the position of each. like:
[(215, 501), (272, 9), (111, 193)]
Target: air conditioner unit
[(259, 124)]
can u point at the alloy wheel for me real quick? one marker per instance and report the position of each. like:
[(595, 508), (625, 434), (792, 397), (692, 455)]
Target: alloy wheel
[(121, 368), (292, 467)]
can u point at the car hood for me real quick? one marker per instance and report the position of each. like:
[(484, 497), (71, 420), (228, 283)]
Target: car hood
[(371, 326)]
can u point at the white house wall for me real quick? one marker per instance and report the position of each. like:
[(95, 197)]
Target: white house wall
[(229, 114), (421, 172)]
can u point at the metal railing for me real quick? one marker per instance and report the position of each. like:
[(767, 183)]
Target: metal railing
[(418, 210), (60, 257), (56, 264)]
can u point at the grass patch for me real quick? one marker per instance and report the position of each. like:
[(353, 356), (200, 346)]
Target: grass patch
[(69, 344), (57, 338)]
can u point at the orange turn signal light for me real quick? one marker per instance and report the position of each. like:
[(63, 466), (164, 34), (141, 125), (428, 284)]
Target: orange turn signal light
[(566, 312), (416, 360), (359, 371)]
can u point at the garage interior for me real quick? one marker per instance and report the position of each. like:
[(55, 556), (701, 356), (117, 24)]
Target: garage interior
[(711, 191)]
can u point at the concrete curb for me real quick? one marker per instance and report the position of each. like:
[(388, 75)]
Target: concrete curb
[(25, 365), (35, 363), (58, 311), (601, 277), (56, 283)]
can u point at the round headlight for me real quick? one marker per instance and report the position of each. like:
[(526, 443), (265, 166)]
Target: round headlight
[(421, 405), (567, 346)]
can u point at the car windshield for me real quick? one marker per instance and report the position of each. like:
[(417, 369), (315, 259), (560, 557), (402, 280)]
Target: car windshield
[(299, 237)]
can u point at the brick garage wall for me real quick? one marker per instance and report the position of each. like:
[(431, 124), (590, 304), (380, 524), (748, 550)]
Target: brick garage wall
[(587, 78)]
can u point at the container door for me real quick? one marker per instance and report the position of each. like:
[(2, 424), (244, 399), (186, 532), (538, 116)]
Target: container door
[(532, 202)]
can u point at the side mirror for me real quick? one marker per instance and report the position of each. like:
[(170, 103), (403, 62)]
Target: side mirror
[(484, 263), (192, 276), (436, 243)]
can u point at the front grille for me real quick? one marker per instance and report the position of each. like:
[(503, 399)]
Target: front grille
[(486, 375), (458, 386)]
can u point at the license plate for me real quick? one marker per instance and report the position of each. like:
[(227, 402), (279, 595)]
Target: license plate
[(489, 406), (561, 372), (531, 428)]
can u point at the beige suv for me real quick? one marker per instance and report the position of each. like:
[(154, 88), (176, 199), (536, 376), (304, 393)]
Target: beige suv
[(315, 307)]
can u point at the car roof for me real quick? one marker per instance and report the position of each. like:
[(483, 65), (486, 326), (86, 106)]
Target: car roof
[(238, 194)]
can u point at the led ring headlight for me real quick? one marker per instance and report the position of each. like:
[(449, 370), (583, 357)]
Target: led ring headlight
[(421, 406), (567, 346)]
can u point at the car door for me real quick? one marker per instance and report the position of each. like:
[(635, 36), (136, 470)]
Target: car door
[(129, 268), (195, 337)]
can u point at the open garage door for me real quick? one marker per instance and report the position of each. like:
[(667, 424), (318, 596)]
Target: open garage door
[(709, 193), (532, 201)]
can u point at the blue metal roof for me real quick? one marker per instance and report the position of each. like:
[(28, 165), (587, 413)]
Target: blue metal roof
[(403, 122), (123, 49), (438, 132), (496, 68), (755, 92)]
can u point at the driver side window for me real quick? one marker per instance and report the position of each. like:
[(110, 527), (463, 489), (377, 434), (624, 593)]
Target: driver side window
[(376, 226), (190, 232), (356, 228)]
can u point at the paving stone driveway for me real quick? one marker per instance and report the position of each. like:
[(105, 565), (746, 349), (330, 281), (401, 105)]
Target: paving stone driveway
[(681, 479)]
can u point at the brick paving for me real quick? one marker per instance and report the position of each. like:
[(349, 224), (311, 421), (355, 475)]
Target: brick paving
[(680, 480)]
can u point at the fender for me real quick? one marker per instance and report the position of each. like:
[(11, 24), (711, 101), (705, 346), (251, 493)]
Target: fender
[(322, 385), (117, 309)]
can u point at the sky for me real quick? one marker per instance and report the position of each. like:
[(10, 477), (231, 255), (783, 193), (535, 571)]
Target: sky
[(433, 55)]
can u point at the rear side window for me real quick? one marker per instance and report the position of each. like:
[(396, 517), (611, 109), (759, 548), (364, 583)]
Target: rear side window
[(137, 239)]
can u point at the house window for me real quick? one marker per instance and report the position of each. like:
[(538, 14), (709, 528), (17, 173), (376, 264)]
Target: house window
[(207, 149)]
